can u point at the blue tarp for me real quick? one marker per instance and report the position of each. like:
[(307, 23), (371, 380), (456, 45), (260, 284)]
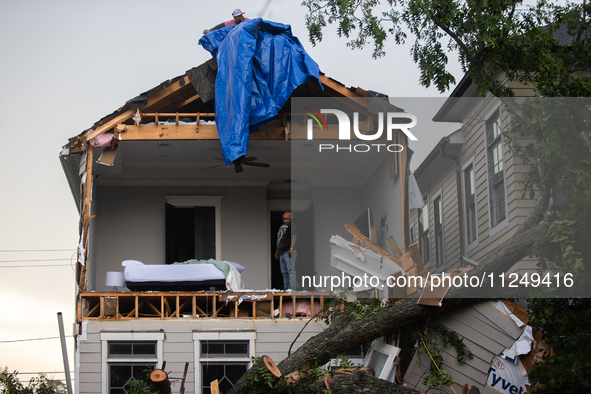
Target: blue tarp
[(260, 63)]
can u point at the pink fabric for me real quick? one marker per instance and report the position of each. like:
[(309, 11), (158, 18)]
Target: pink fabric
[(103, 140), (302, 307)]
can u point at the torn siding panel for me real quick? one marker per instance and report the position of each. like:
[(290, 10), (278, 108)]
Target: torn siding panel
[(481, 311), (486, 332), (482, 334), (488, 328)]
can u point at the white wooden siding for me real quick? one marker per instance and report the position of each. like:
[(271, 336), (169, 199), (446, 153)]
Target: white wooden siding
[(273, 339)]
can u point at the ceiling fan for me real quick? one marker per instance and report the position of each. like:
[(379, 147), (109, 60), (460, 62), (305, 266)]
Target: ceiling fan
[(246, 161)]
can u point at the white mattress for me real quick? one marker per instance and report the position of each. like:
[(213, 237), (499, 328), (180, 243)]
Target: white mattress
[(136, 271)]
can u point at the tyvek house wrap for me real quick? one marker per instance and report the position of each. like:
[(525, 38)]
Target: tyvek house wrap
[(260, 64)]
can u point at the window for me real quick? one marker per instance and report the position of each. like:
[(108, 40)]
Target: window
[(192, 228), (469, 204), (496, 172), (424, 245), (125, 356), (224, 356), (381, 358), (438, 219)]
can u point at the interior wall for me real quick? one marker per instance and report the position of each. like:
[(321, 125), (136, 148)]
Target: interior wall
[(334, 206), (382, 195), (130, 224)]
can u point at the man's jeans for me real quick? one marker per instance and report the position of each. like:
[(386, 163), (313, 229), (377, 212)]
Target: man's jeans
[(287, 269)]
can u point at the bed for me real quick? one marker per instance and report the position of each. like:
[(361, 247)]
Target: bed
[(179, 277)]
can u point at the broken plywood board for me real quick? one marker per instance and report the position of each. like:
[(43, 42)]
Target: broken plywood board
[(394, 248), (436, 289), (107, 158), (362, 240)]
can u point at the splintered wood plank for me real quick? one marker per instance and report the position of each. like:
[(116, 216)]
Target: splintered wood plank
[(394, 248), (337, 86), (366, 242), (408, 263), (415, 253), (214, 387), (110, 124), (394, 292), (433, 297)]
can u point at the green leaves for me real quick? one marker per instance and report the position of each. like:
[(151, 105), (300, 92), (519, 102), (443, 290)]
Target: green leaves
[(490, 37), (565, 323), (435, 337), (9, 384)]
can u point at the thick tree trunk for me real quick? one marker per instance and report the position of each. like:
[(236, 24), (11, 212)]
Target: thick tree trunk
[(346, 332), (345, 381)]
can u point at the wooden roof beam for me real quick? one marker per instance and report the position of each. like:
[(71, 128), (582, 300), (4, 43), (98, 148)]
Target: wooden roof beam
[(152, 101), (337, 86)]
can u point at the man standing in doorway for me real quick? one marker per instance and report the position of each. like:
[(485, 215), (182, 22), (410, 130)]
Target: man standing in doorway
[(286, 240)]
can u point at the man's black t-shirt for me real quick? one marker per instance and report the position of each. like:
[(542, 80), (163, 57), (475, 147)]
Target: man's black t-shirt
[(284, 237)]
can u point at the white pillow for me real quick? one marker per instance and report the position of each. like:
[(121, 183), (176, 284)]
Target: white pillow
[(239, 267), (131, 263)]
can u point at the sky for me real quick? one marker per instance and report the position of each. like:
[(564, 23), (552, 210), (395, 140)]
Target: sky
[(65, 64)]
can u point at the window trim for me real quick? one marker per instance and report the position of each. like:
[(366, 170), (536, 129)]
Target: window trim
[(434, 197), (421, 231), (505, 222), (198, 336), (390, 351), (472, 245), (203, 201), (106, 337)]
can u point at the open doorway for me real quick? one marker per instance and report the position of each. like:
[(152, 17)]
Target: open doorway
[(304, 264), (276, 277)]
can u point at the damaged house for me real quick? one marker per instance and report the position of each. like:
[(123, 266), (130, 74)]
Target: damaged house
[(178, 219), (155, 184), (472, 202)]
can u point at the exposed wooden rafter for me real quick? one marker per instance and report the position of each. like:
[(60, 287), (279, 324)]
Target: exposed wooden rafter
[(155, 102)]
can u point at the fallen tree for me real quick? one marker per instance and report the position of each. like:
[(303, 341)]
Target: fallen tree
[(347, 331), (490, 39)]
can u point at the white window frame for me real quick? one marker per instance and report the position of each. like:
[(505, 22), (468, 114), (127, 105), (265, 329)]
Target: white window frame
[(107, 337), (427, 200), (203, 201), (226, 336), (503, 223), (469, 162), (433, 234), (413, 238), (383, 348)]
